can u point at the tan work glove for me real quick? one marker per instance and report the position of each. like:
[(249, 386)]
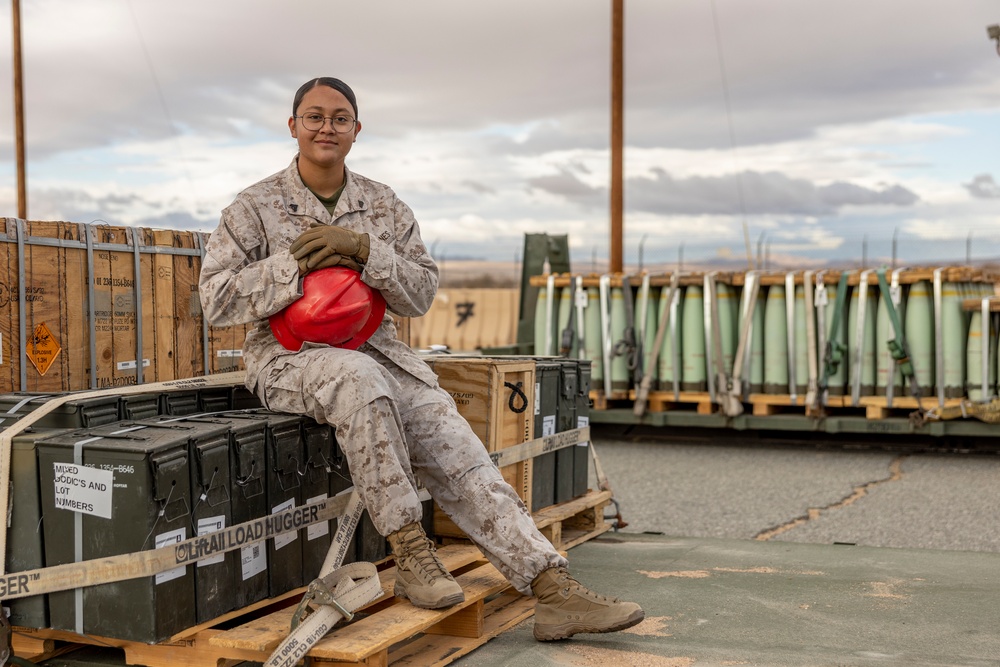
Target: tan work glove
[(322, 246)]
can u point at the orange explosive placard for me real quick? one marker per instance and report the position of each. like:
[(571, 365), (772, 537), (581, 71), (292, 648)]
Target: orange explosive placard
[(43, 348)]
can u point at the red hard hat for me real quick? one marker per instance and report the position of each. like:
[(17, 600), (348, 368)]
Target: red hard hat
[(335, 308)]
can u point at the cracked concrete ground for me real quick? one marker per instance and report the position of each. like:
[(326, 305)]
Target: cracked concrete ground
[(748, 564), (819, 496)]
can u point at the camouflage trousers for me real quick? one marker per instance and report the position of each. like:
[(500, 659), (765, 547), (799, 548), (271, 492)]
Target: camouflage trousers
[(395, 429)]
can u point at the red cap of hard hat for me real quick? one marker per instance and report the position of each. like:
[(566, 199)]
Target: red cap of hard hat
[(335, 308)]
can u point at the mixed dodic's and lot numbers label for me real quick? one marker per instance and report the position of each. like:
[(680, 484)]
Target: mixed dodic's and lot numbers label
[(83, 489)]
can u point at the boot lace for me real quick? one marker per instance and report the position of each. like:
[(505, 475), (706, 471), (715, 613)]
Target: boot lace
[(571, 586), (420, 551)]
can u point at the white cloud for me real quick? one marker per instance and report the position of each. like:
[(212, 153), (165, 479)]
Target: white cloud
[(163, 111)]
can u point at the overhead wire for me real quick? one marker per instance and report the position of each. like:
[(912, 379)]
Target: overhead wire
[(163, 102), (732, 132)]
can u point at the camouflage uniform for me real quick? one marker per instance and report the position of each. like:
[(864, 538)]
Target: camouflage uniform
[(393, 420)]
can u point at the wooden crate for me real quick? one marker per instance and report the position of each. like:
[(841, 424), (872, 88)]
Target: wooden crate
[(497, 398), (71, 269)]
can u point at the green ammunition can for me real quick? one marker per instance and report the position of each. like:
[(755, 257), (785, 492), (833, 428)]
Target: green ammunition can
[(25, 548), (212, 511), (76, 413), (179, 403), (318, 447), (581, 453), (117, 489), (543, 492), (283, 484), (248, 474), (139, 406), (566, 421)]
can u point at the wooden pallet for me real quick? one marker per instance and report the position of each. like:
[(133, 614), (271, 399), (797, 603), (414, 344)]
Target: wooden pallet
[(662, 401), (601, 401), (390, 631), (371, 639), (877, 407), (574, 522)]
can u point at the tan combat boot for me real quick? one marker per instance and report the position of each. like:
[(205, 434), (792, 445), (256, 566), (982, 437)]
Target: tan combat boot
[(420, 576), (565, 608)]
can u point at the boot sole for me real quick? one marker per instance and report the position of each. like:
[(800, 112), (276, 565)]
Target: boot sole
[(547, 633), (443, 603)]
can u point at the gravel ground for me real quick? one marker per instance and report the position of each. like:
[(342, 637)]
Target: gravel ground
[(802, 494)]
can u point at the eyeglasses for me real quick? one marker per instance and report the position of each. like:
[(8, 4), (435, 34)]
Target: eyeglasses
[(315, 122)]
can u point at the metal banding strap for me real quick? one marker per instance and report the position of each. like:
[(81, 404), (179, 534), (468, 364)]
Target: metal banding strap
[(605, 293), (790, 332), (581, 303), (820, 303), (137, 295), (896, 298), (742, 361), (639, 407), (709, 301), (984, 347), (807, 288), (206, 357), (834, 351), (938, 337), (675, 347), (22, 324), (859, 337), (91, 313)]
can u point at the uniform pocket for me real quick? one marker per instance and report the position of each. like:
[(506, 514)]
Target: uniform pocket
[(283, 385)]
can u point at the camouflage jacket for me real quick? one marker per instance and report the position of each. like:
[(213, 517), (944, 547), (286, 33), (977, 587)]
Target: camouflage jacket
[(248, 273)]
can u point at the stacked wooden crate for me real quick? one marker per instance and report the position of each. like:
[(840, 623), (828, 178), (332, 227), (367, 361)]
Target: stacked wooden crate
[(87, 306), (497, 398)]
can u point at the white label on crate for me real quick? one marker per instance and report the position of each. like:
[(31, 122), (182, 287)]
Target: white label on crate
[(164, 540), (320, 529), (549, 425), (82, 489), (582, 422), (538, 397), (208, 525), (229, 353), (253, 560), (284, 539), (130, 365)]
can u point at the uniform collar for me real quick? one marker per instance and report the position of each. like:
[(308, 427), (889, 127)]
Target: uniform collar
[(299, 201)]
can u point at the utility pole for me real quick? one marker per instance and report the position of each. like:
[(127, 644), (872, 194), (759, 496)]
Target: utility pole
[(617, 130), (22, 188)]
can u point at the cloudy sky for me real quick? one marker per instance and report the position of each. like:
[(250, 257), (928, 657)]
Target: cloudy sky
[(825, 128)]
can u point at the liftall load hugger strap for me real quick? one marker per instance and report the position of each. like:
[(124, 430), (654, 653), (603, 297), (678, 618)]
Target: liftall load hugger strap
[(153, 525)]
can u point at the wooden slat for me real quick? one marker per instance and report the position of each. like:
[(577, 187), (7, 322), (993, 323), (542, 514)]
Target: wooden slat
[(187, 310), (465, 623), (380, 631), (567, 510), (265, 633), (501, 614), (162, 291)]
